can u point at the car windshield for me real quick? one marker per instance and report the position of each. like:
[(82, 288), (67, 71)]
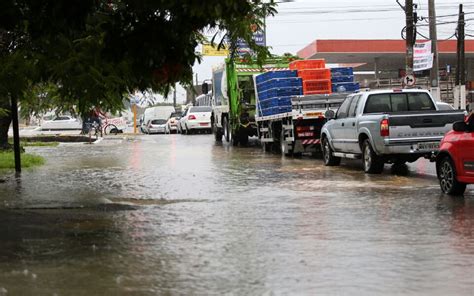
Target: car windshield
[(158, 121), (200, 109)]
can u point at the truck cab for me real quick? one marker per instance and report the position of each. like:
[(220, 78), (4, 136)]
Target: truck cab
[(455, 161), (234, 98)]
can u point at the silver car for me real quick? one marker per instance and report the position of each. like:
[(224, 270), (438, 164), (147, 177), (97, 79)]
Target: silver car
[(156, 126)]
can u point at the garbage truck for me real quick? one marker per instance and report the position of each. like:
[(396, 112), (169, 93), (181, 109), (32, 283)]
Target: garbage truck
[(234, 97)]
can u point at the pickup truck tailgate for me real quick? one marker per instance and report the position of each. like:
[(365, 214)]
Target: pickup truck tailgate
[(421, 127)]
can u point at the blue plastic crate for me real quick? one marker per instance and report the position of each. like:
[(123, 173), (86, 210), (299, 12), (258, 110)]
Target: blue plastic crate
[(268, 103), (342, 79), (280, 83), (344, 71), (345, 87), (284, 109), (284, 101), (280, 92), (275, 74)]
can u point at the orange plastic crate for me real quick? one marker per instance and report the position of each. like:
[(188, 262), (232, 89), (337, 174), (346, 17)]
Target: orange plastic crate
[(315, 74), (307, 64), (316, 85), (318, 92)]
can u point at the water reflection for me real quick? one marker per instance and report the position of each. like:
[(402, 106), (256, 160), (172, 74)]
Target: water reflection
[(181, 215)]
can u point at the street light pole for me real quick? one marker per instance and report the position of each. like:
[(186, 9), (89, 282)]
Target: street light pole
[(434, 73), (409, 36)]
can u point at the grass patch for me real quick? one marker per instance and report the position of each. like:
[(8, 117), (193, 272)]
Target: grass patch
[(25, 143), (7, 160)]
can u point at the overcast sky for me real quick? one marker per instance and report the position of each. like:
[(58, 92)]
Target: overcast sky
[(301, 22)]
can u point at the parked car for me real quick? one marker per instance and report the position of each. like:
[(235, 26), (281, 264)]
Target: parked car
[(455, 160), (196, 118), (386, 126), (172, 123), (157, 112), (155, 126), (62, 122)]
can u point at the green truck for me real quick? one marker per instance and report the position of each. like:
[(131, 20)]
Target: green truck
[(234, 97)]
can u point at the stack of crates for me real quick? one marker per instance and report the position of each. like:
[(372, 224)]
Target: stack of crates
[(343, 80), (275, 89), (316, 77)]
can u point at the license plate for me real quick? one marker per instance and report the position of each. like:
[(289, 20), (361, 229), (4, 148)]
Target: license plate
[(314, 114), (428, 146)]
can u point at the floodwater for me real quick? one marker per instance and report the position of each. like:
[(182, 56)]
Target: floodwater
[(180, 215)]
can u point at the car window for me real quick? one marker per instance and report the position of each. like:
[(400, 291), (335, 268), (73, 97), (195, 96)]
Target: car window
[(399, 102), (353, 106), (342, 111), (158, 121), (378, 103), (420, 102), (200, 109), (62, 118)]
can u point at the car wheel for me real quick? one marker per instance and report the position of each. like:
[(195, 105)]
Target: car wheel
[(448, 178), (371, 162), (328, 157)]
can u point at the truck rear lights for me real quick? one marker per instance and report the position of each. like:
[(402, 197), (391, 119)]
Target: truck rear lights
[(384, 128), (191, 117), (304, 128)]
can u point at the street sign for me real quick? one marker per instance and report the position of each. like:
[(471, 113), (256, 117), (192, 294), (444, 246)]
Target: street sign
[(209, 50), (409, 80)]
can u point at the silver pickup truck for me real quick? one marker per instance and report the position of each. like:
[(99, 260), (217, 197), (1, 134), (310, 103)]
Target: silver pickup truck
[(386, 126)]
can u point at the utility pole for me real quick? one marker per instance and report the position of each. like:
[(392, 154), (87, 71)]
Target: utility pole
[(174, 96), (16, 134), (460, 68), (434, 73), (410, 36)]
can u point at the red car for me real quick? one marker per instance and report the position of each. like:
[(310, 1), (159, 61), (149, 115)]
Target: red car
[(455, 161)]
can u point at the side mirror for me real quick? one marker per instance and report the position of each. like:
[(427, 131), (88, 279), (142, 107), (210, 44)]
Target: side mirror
[(460, 126), (205, 88), (329, 114)]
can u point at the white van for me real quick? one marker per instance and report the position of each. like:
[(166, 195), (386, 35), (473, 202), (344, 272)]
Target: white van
[(158, 112)]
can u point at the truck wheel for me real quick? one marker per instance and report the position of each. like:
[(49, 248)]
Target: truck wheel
[(284, 149), (329, 159), (447, 178), (372, 163), (225, 125)]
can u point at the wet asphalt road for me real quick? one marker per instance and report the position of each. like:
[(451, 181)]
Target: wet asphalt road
[(181, 215)]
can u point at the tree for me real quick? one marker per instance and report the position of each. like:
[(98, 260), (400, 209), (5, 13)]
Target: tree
[(95, 51)]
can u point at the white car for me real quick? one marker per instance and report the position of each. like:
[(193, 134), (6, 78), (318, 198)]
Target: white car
[(62, 122), (196, 118), (156, 126), (172, 123)]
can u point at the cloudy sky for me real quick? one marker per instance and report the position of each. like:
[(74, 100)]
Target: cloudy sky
[(300, 22)]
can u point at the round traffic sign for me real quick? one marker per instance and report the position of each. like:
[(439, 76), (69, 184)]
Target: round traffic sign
[(409, 80)]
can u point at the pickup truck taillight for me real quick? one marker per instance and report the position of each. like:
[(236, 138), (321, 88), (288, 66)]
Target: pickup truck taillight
[(384, 128)]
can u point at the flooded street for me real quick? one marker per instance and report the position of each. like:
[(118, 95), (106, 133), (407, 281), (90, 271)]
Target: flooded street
[(172, 214)]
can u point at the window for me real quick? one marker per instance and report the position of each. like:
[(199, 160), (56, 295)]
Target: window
[(158, 121), (420, 102), (200, 109), (378, 103), (342, 111), (353, 106), (399, 102)]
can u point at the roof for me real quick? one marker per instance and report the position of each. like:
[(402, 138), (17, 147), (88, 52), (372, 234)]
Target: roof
[(391, 53)]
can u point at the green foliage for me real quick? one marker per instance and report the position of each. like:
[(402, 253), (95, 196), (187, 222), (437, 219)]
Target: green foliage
[(89, 53), (7, 160)]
